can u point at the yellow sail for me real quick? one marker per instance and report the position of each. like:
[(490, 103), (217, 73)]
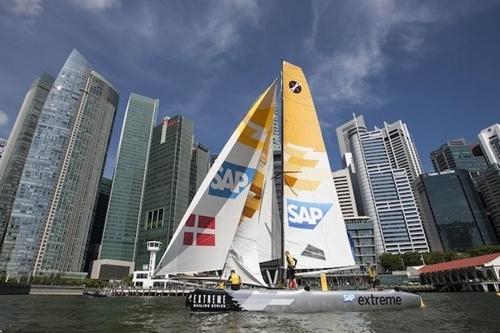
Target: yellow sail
[(314, 228)]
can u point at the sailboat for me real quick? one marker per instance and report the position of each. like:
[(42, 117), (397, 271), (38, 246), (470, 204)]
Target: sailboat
[(231, 223)]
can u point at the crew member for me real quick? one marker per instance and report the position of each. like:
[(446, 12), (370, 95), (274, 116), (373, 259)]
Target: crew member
[(291, 263), (234, 280), (372, 275)]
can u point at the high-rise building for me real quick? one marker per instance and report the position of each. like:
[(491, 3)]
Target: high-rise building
[(401, 149), (51, 215), (14, 156), (3, 145), (200, 164), (453, 213), (488, 183), (360, 231), (489, 138), (167, 187), (98, 220), (120, 230), (343, 131), (456, 155), (385, 191), (345, 193)]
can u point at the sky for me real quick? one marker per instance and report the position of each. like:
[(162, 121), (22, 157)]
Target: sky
[(432, 64)]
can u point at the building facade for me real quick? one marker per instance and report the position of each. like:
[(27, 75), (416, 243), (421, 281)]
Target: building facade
[(167, 186), (200, 164), (360, 231), (489, 138), (345, 193), (457, 155), (401, 149), (97, 225), (14, 156), (123, 215), (52, 211), (386, 193), (488, 183), (453, 213), (3, 145)]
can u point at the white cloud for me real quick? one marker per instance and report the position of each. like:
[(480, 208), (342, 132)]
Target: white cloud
[(345, 71), (97, 4), (212, 30), (4, 119), (25, 7)]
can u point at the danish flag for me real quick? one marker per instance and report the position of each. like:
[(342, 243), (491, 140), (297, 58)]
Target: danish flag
[(200, 231)]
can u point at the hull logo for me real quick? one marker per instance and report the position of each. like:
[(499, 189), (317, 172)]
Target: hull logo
[(230, 180), (306, 215)]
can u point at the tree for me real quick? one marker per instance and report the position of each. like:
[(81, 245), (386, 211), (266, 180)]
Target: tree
[(390, 262)]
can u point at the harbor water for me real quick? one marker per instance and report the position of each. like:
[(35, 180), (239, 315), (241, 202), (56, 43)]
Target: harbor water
[(453, 312)]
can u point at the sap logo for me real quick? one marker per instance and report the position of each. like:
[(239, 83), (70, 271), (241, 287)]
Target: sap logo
[(230, 180), (306, 215), (348, 298)]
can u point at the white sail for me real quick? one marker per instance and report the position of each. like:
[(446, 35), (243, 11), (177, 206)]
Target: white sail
[(205, 233), (315, 233), (244, 254), (269, 230)]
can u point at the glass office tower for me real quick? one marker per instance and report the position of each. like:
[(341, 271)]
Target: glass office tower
[(52, 211), (16, 151), (454, 216), (120, 230)]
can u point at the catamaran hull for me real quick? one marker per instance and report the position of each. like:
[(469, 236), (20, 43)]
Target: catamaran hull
[(300, 301)]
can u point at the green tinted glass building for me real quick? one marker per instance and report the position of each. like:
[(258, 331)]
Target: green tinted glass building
[(454, 217), (176, 169), (120, 229)]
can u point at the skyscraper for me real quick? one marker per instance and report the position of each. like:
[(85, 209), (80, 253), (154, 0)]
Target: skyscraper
[(167, 186), (127, 191), (401, 149), (14, 156), (345, 193), (343, 135), (489, 139), (453, 213), (200, 164), (488, 183), (52, 211), (385, 191), (97, 225), (456, 155), (3, 145)]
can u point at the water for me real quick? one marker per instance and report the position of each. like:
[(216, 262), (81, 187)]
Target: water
[(458, 312)]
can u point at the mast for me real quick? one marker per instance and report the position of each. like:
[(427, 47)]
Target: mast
[(282, 259)]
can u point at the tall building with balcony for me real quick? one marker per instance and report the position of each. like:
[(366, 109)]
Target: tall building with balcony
[(457, 155), (454, 216), (385, 190), (49, 224), (120, 230), (489, 138), (16, 151), (167, 187)]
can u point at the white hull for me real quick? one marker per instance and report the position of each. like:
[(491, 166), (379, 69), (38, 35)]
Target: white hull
[(300, 301)]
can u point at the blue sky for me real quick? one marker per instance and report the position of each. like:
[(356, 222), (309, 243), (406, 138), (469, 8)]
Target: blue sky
[(433, 64)]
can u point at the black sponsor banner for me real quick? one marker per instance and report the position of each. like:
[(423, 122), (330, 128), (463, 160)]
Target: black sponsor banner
[(211, 300)]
